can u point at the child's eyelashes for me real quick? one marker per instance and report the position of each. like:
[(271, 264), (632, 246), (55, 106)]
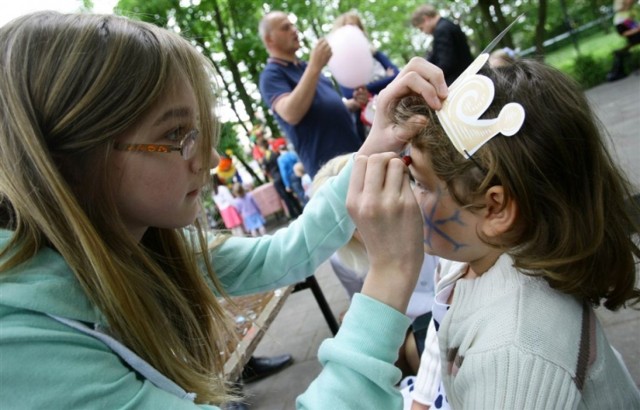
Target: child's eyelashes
[(421, 187), (417, 184)]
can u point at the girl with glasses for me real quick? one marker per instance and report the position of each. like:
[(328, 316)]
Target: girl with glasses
[(106, 301)]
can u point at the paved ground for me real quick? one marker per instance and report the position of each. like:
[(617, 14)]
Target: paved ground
[(300, 328)]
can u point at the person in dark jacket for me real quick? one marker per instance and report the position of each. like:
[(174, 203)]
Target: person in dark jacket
[(450, 49)]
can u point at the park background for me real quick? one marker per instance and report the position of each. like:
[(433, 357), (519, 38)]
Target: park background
[(575, 36)]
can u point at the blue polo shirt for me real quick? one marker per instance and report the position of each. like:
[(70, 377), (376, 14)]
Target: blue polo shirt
[(326, 131)]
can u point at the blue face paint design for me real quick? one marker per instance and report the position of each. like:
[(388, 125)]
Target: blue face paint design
[(432, 225)]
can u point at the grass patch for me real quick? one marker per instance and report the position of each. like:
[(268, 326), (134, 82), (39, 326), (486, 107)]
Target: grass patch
[(590, 67), (597, 45)]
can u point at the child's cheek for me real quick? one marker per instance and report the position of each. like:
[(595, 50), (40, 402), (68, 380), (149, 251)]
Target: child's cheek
[(427, 207)]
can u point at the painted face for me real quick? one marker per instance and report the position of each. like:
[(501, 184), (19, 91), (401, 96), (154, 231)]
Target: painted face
[(450, 231), (160, 189)]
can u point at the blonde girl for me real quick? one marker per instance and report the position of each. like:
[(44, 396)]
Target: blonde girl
[(106, 300)]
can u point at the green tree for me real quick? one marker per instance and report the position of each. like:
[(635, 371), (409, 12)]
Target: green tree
[(226, 33)]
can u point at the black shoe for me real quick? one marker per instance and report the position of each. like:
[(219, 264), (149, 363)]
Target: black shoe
[(260, 367)]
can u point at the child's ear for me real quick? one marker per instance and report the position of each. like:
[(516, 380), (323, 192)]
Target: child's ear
[(500, 213)]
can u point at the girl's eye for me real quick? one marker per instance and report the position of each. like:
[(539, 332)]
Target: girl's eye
[(176, 134)]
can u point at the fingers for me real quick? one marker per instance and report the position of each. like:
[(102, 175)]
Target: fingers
[(322, 52), (356, 183), (428, 71), (384, 209), (418, 77), (375, 179)]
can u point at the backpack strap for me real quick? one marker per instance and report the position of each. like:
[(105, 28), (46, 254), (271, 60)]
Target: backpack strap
[(133, 360)]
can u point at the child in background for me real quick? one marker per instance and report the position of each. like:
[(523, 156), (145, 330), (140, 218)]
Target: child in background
[(223, 199), (533, 234), (305, 180), (501, 57), (249, 211)]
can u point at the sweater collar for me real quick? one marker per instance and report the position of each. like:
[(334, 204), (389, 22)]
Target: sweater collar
[(286, 63)]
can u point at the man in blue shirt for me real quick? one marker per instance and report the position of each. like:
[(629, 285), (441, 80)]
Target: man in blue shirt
[(308, 109)]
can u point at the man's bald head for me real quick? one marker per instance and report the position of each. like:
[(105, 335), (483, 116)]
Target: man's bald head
[(267, 23)]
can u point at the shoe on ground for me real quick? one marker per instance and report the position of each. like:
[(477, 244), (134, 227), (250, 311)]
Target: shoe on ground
[(260, 367), (615, 76)]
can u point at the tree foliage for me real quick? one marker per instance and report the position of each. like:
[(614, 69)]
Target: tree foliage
[(226, 32)]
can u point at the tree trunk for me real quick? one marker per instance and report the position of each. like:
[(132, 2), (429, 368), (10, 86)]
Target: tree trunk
[(495, 27), (231, 64), (507, 40), (232, 101), (540, 31)]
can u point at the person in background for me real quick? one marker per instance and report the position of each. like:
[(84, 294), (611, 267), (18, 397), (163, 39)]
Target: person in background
[(502, 57), (256, 136), (292, 182), (384, 72), (305, 179), (249, 211), (625, 21), (306, 106), (110, 298), (450, 49), (223, 199), (272, 170)]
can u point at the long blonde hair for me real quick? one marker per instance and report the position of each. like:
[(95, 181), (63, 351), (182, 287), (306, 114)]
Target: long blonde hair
[(69, 85)]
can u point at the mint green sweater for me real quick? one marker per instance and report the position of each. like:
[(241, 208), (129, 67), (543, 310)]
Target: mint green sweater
[(47, 364)]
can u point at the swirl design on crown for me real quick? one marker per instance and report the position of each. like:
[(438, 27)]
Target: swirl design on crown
[(469, 97)]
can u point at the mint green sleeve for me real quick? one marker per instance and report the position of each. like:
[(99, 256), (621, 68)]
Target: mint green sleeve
[(358, 364), (250, 265), (48, 365)]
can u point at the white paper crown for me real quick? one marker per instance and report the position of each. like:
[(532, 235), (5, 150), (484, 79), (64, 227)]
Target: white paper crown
[(469, 97)]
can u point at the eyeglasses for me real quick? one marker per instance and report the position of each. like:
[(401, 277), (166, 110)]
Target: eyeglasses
[(186, 146)]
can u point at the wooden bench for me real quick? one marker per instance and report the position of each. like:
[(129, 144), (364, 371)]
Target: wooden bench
[(252, 315)]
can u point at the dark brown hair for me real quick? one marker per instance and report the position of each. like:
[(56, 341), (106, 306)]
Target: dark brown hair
[(573, 219)]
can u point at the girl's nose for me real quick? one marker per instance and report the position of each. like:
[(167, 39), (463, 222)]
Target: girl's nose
[(196, 161), (215, 158)]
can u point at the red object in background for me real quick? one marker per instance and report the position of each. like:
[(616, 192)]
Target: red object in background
[(278, 143), (225, 164)]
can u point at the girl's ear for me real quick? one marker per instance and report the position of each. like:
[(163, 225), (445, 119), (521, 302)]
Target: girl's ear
[(500, 214)]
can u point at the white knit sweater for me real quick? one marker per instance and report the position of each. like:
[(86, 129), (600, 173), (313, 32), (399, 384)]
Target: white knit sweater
[(509, 341)]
